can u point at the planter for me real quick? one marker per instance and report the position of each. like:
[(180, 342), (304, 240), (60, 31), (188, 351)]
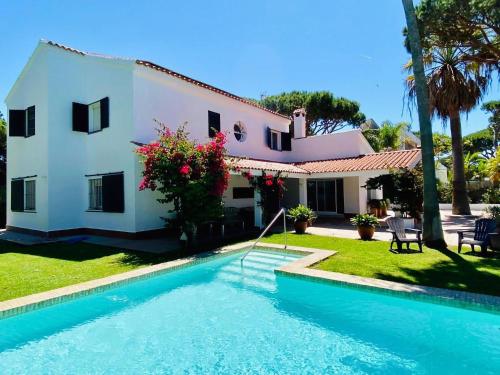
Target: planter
[(300, 227), (366, 232), (495, 241)]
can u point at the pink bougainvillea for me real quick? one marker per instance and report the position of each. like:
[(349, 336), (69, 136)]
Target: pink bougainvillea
[(192, 176)]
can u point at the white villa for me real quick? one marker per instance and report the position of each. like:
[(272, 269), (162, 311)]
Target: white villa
[(75, 119)]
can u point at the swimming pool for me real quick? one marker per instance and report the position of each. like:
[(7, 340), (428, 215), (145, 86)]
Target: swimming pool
[(217, 317)]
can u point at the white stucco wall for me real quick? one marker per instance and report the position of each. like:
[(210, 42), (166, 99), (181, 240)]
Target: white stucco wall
[(27, 156), (229, 201), (173, 102), (329, 146), (62, 157)]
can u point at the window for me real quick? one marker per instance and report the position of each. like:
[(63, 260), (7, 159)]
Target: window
[(30, 121), (213, 123), (91, 118), (274, 140), (23, 194), (95, 194), (22, 122), (94, 117), (326, 195), (106, 192), (29, 195), (240, 132), (242, 192)]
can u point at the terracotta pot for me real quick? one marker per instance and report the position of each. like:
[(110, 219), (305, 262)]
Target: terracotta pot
[(366, 232), (300, 227)]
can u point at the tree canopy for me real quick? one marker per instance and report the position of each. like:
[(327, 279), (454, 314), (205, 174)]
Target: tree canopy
[(325, 112), (493, 107), (472, 26), (480, 142)]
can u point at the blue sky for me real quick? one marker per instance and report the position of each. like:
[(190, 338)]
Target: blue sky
[(350, 47)]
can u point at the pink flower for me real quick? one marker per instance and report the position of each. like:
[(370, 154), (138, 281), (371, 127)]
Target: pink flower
[(185, 169), (269, 182), (200, 148)]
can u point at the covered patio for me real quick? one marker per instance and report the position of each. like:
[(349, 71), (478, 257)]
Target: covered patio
[(331, 188)]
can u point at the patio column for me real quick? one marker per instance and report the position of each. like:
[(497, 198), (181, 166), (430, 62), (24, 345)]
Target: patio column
[(258, 222), (303, 191)]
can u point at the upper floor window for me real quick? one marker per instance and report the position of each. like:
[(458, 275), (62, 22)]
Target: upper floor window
[(213, 123), (279, 141), (240, 132), (22, 122), (23, 194), (91, 118)]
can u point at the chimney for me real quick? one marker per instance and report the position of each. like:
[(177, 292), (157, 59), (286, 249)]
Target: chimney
[(299, 123)]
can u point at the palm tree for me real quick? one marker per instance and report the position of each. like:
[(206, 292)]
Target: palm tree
[(390, 135), (432, 228), (455, 86)]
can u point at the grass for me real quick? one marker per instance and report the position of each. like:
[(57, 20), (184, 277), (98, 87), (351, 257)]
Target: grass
[(443, 269), (26, 270)]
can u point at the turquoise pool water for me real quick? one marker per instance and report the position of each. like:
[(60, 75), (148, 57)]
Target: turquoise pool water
[(216, 317)]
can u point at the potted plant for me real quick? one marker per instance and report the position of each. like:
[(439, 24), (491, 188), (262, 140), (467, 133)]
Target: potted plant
[(302, 216), (375, 207), (365, 224), (494, 213)]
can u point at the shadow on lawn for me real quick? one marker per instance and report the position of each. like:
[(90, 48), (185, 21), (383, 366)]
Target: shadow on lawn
[(455, 273), (79, 252)]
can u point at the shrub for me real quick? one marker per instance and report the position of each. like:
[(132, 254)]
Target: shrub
[(492, 195), (364, 220), (493, 212), (301, 213), (191, 176)]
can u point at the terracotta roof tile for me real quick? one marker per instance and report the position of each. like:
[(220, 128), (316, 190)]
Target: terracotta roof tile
[(376, 161), (370, 162), (264, 165)]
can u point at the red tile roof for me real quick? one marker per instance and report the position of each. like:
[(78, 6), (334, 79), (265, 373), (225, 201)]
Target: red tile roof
[(369, 162), (264, 165), (176, 75)]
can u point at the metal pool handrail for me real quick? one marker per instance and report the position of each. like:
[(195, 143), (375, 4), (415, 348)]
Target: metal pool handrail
[(282, 211)]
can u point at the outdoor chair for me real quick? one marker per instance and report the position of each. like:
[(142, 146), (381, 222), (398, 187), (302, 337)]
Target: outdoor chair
[(398, 230), (482, 230)]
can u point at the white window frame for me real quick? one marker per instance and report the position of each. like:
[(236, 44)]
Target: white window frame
[(97, 196), (95, 126), (278, 140), (31, 208)]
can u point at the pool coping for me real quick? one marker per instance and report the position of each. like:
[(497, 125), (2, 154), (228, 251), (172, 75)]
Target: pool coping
[(301, 268), (298, 268)]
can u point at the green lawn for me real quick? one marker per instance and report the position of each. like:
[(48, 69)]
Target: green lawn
[(444, 269), (26, 270)]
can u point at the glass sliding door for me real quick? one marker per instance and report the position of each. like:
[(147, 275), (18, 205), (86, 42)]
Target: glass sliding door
[(325, 195)]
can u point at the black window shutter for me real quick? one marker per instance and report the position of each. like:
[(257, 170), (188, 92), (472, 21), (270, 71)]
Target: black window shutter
[(268, 137), (113, 193), (340, 196), (286, 142), (17, 195), (104, 113), (80, 117), (213, 123), (17, 123), (30, 115)]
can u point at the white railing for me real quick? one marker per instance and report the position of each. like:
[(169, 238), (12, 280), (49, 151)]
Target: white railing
[(282, 211)]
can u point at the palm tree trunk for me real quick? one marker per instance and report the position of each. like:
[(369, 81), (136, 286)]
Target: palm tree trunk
[(459, 201), (432, 228)]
